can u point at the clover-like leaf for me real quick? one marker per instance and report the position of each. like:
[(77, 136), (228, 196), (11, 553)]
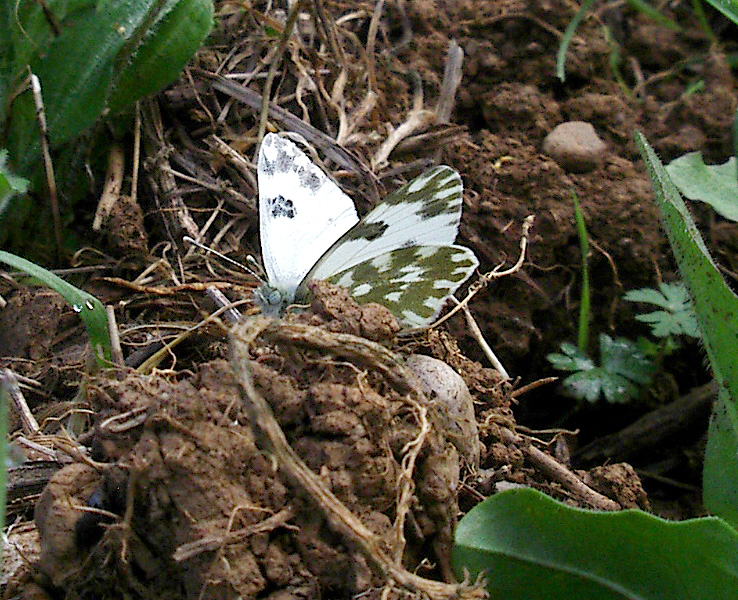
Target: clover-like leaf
[(678, 316)]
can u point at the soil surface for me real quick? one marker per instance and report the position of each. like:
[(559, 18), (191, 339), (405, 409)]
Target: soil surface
[(307, 457)]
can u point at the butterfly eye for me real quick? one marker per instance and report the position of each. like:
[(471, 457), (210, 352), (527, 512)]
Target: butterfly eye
[(274, 298)]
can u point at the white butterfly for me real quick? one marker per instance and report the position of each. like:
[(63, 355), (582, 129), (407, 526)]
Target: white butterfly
[(401, 254)]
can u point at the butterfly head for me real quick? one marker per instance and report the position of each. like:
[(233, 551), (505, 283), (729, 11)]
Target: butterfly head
[(272, 301)]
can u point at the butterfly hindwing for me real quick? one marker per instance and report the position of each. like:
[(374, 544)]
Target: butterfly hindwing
[(425, 211), (301, 214), (413, 282)]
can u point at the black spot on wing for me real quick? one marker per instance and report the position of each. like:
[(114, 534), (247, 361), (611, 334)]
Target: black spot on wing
[(281, 207), (309, 179)]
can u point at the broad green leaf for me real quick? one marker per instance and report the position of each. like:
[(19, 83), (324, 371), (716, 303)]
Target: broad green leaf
[(171, 40), (98, 48), (717, 185), (717, 314), (89, 308), (532, 547)]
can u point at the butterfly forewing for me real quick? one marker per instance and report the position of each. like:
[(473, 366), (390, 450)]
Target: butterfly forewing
[(413, 282), (301, 214), (425, 211)]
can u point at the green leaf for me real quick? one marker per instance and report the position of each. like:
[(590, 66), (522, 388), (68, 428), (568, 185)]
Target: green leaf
[(567, 37), (717, 314), (89, 308), (10, 184), (729, 8), (584, 385), (717, 185), (678, 318), (672, 297), (622, 357), (532, 547), (572, 359), (652, 13), (101, 47), (170, 40), (719, 489), (622, 366)]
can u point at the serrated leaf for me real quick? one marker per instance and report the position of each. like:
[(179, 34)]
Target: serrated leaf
[(571, 359), (678, 318), (531, 547), (672, 297), (618, 389), (622, 366), (622, 357)]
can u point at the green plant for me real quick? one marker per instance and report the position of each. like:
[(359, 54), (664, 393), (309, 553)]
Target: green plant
[(92, 57), (89, 308), (534, 547), (677, 317), (10, 184), (584, 305), (716, 185), (623, 368)]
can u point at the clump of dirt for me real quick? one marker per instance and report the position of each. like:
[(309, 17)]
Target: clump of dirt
[(200, 500)]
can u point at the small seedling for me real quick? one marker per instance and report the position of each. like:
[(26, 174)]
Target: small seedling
[(677, 317), (623, 368)]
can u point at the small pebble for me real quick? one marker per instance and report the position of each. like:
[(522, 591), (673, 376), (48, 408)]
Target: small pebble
[(447, 391), (575, 146)]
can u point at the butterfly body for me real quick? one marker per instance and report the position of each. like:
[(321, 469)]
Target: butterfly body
[(402, 254)]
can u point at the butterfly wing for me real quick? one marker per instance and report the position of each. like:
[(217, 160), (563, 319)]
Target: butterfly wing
[(301, 214), (402, 254), (414, 282), (425, 211)]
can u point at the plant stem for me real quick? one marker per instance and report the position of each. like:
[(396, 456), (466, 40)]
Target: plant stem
[(583, 334)]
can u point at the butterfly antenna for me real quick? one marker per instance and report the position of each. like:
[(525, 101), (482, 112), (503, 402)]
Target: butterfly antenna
[(235, 263), (257, 268)]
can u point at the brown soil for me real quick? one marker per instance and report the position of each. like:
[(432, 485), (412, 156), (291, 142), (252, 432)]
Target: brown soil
[(187, 490)]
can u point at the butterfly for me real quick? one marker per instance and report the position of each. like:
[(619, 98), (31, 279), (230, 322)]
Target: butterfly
[(401, 254)]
